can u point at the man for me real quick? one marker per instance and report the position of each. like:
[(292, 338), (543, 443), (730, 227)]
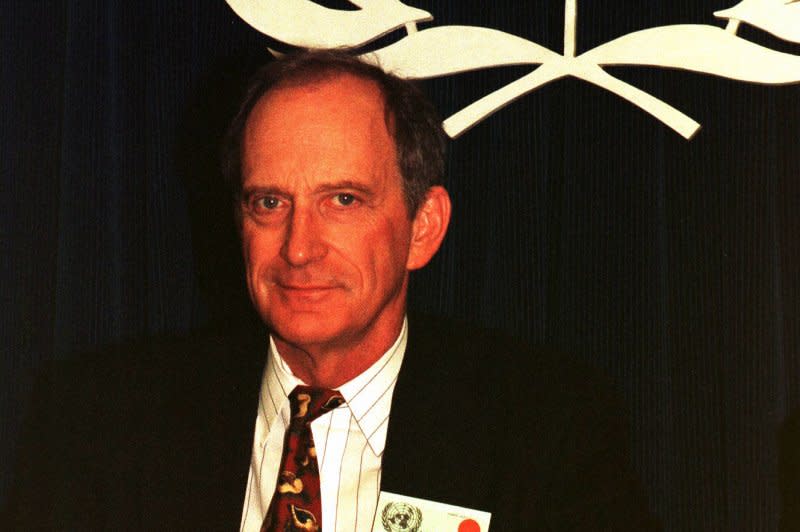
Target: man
[(329, 236), (337, 171)]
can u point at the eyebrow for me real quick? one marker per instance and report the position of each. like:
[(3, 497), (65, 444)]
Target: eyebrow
[(346, 184), (270, 190), (324, 187)]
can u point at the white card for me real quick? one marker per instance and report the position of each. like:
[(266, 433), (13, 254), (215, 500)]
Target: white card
[(398, 513)]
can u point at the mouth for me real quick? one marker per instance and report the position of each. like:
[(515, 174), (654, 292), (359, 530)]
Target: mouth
[(304, 287), (305, 292)]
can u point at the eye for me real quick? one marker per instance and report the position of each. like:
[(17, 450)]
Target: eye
[(264, 205), (267, 202), (344, 199), (257, 203)]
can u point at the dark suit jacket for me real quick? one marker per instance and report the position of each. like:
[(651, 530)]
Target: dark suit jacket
[(789, 472), (159, 437)]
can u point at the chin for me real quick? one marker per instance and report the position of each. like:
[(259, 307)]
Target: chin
[(306, 329)]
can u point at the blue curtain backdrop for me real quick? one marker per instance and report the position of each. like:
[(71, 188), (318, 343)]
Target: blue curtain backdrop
[(579, 221)]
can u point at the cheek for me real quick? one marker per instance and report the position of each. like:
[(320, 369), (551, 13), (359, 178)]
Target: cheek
[(248, 241), (386, 250), (257, 249)]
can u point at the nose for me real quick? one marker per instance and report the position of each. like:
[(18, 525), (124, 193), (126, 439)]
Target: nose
[(302, 243)]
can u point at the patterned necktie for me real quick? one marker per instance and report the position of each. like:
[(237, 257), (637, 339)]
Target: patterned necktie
[(296, 503)]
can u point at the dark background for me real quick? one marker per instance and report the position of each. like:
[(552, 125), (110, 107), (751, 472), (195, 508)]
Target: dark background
[(579, 220)]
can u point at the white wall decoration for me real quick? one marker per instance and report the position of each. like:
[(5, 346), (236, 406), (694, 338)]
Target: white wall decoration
[(445, 50)]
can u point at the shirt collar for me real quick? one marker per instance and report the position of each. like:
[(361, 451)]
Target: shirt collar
[(368, 395)]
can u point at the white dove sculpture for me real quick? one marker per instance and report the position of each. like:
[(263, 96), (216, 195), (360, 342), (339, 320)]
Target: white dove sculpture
[(778, 17), (307, 24), (445, 50)]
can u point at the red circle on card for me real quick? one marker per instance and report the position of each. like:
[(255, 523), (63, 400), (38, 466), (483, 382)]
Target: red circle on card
[(469, 525)]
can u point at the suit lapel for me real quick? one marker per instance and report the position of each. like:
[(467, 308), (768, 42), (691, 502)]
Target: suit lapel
[(207, 451), (231, 426), (434, 450)]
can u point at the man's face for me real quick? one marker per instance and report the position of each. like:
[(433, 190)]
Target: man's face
[(325, 230)]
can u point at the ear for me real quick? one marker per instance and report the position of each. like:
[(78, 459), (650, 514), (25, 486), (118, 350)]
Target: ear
[(429, 227)]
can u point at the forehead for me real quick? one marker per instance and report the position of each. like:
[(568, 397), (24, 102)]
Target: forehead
[(335, 120)]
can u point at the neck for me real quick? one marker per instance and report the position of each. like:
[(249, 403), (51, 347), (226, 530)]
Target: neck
[(330, 366)]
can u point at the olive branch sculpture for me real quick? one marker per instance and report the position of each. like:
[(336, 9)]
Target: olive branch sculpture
[(445, 50)]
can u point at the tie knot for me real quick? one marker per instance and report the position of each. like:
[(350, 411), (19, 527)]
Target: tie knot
[(308, 402)]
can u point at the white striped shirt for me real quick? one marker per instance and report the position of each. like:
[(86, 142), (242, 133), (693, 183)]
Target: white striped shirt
[(349, 442)]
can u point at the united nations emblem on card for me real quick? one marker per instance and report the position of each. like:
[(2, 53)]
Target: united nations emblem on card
[(400, 513), (401, 517)]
